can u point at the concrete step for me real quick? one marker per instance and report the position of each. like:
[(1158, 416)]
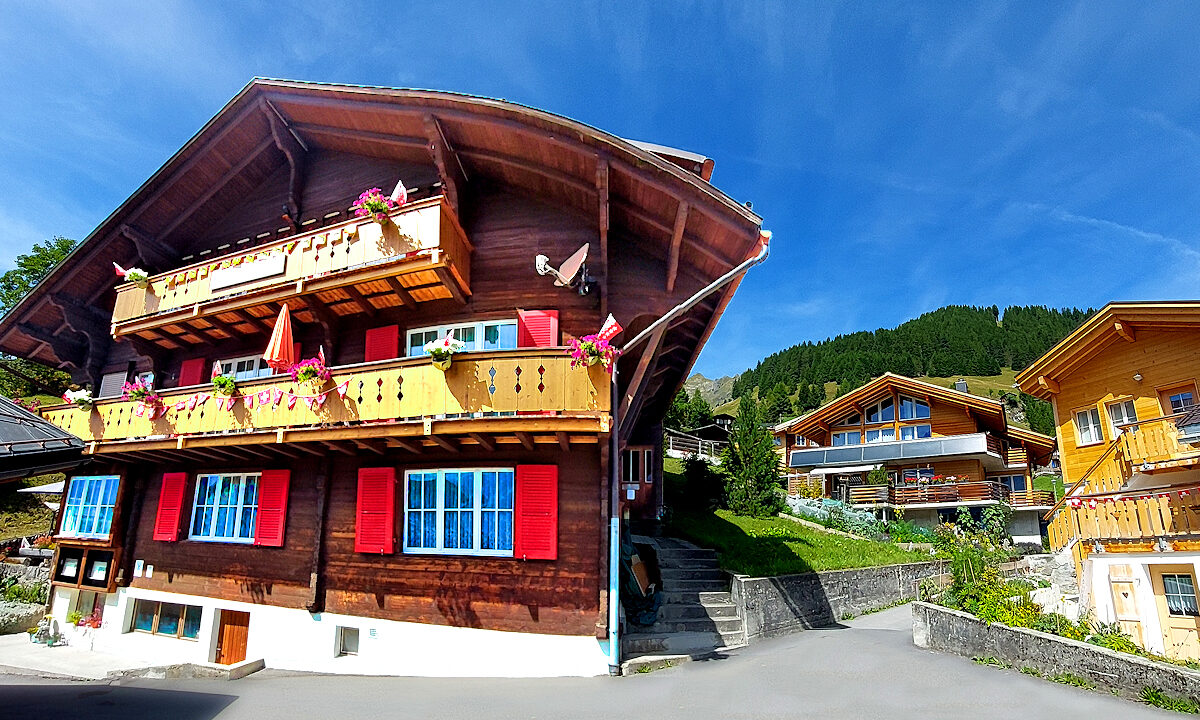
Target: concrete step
[(688, 563), (686, 553), (696, 585), (687, 611), (648, 663), (678, 642), (670, 575), (724, 626), (696, 597)]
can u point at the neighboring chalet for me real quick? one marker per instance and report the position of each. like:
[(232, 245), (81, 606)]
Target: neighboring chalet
[(398, 519), (941, 449), (1124, 390)]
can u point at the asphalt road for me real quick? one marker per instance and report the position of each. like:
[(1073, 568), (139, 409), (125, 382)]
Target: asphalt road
[(867, 669)]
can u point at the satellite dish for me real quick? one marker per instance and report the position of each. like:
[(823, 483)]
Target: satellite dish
[(572, 273)]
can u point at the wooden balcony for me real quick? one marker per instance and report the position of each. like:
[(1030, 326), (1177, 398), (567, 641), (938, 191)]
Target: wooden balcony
[(353, 267), (1131, 524), (1145, 447), (948, 493), (528, 385)]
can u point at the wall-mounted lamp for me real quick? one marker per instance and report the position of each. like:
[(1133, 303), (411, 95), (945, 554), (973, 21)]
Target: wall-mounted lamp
[(1137, 377)]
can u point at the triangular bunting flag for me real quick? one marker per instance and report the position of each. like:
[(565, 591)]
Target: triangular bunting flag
[(341, 389)]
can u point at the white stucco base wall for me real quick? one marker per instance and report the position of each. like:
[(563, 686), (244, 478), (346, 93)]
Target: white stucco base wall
[(1024, 526), (292, 639), (1096, 590)]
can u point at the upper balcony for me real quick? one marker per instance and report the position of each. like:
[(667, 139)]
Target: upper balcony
[(980, 446), (356, 266), (948, 494), (511, 391)]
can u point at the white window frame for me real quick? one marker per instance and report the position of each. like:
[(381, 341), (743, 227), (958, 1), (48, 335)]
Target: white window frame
[(1191, 581), (1180, 392), (76, 504), (479, 327), (1126, 407), (877, 409), (261, 369), (917, 474), (916, 411), (239, 508), (882, 435), (915, 431), (1007, 481), (1093, 415), (158, 605), (851, 420), (476, 510), (833, 439)]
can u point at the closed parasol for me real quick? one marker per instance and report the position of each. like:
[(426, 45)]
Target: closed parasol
[(281, 352)]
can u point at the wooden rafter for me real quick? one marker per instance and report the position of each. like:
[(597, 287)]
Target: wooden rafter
[(400, 292), (445, 443), (449, 166), (634, 393), (681, 216), (362, 303), (338, 447), (369, 446), (484, 441), (289, 144), (603, 224), (564, 440), (411, 446), (525, 438), (152, 251), (217, 186), (374, 138), (1124, 330)]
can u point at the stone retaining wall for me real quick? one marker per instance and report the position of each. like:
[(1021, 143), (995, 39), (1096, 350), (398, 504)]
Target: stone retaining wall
[(27, 574), (952, 631), (790, 603)]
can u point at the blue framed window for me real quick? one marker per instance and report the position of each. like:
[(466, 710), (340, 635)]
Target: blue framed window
[(225, 508), (88, 511), (461, 511)]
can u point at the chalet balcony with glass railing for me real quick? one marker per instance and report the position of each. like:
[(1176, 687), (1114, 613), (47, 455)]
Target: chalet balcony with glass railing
[(534, 389), (975, 445), (357, 266)]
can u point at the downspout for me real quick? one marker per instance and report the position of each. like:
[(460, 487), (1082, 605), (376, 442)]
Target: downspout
[(614, 522)]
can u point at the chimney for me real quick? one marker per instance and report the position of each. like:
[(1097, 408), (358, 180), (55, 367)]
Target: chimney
[(961, 385)]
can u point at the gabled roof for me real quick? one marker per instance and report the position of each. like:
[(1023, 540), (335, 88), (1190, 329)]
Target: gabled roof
[(885, 384), (1115, 322), (31, 446)]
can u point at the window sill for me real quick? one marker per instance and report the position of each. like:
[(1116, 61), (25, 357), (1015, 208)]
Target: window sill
[(455, 553), (226, 541)]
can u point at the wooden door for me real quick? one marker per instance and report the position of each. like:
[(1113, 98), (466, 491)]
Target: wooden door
[(1178, 612), (231, 637), (1125, 602)]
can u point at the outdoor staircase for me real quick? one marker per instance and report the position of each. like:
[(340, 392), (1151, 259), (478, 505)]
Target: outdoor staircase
[(697, 619)]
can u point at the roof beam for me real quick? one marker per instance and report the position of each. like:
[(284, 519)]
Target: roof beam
[(64, 348), (526, 439), (564, 441), (449, 165), (401, 141), (217, 186), (634, 394), (338, 447), (1124, 330), (411, 446), (445, 443), (150, 250), (289, 144), (484, 441), (400, 292), (362, 303), (1050, 385), (368, 446), (603, 225), (681, 215)]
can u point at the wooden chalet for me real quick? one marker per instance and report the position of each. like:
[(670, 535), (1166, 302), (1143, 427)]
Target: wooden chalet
[(400, 518), (1124, 391), (941, 449)]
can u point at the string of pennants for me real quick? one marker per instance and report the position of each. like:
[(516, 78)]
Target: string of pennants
[(267, 397), (1091, 503), (317, 241)]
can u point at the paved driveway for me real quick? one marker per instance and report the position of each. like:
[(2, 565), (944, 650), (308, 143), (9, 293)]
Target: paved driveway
[(868, 669)]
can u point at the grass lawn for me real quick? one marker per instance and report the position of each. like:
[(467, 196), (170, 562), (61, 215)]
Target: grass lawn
[(776, 546), (1049, 482)]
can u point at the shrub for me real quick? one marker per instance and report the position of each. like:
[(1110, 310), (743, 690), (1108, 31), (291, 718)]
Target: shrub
[(33, 594), (1110, 635), (702, 486), (752, 484), (906, 531), (837, 515)]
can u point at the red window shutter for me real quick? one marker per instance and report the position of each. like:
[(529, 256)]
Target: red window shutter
[(537, 328), (192, 371), (383, 343), (535, 515), (272, 507), (170, 506), (374, 528)]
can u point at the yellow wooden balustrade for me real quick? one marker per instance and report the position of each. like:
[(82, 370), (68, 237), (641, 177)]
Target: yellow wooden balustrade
[(530, 381), (423, 234)]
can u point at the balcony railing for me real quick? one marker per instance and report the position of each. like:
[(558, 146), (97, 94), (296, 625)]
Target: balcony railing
[(478, 383), (980, 491), (925, 448), (423, 246), (1145, 446)]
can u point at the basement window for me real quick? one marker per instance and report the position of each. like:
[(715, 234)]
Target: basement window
[(347, 641)]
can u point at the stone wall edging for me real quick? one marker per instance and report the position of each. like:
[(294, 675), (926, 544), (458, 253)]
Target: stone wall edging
[(26, 573), (783, 604), (953, 631)]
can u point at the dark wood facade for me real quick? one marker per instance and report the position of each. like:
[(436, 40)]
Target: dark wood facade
[(284, 159)]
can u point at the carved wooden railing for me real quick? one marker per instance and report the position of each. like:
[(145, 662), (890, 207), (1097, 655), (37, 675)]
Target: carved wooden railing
[(521, 381), (423, 233)]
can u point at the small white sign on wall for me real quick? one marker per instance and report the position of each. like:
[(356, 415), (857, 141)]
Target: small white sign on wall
[(149, 571), (138, 567), (261, 269)]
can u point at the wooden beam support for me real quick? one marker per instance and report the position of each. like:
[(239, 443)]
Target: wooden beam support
[(306, 449), (252, 321), (328, 322), (1124, 330), (154, 253), (290, 146), (412, 446), (449, 282), (362, 303), (564, 441), (484, 441), (526, 439), (681, 216), (449, 166), (64, 348), (338, 447), (445, 443), (371, 447), (417, 144), (1051, 386), (316, 597), (400, 292)]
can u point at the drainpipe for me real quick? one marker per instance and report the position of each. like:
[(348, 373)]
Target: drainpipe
[(614, 521)]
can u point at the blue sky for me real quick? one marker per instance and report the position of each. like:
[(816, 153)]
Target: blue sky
[(905, 157)]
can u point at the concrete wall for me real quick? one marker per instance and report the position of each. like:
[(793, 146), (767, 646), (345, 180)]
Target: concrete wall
[(1101, 569), (951, 631), (1024, 527), (790, 603)]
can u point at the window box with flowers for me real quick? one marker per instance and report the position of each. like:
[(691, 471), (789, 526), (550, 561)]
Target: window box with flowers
[(374, 204), (311, 372), (442, 350), (81, 398), (591, 350), (142, 392)]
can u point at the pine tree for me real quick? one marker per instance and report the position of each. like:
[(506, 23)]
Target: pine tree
[(751, 466)]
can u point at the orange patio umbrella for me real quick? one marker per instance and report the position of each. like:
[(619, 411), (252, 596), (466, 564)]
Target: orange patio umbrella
[(281, 352)]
